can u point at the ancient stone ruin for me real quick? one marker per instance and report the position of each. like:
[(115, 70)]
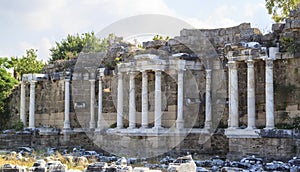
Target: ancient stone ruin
[(176, 94)]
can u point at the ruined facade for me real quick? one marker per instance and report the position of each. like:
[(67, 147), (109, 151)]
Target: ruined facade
[(185, 87)]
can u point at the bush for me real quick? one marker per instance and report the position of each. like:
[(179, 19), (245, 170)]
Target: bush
[(18, 126)]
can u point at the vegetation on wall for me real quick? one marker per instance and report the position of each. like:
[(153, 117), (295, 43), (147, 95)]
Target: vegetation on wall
[(7, 83), (280, 9), (71, 46), (18, 66), (26, 64)]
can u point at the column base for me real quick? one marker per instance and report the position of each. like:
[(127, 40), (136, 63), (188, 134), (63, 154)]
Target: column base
[(269, 128), (92, 125), (144, 127), (208, 125), (67, 125), (156, 128), (242, 133), (132, 127), (98, 130), (180, 124), (67, 130)]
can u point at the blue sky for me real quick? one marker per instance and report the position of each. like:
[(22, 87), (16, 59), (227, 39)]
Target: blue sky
[(39, 24)]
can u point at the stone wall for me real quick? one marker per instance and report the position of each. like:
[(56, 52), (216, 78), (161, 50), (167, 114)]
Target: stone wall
[(268, 148)]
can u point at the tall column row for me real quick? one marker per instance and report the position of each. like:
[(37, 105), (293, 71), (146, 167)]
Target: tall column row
[(233, 121)]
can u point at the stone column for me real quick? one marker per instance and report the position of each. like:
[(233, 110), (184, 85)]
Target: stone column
[(99, 122), (132, 111), (22, 104), (92, 104), (158, 101), (269, 94), (67, 105), (233, 94), (100, 95), (144, 99), (251, 94), (208, 114), (180, 121), (32, 105), (120, 101)]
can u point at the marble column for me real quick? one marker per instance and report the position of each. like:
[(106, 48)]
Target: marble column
[(99, 121), (32, 105), (144, 99), (92, 104), (233, 94), (132, 111), (120, 101), (158, 100), (250, 94), (67, 105), (180, 121), (208, 113), (22, 104), (269, 94)]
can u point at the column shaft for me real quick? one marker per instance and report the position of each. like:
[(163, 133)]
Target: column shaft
[(132, 111), (251, 94), (92, 104), (22, 104), (100, 104), (144, 99), (32, 105), (269, 94), (67, 105), (180, 121), (208, 114), (158, 101), (233, 94), (120, 101)]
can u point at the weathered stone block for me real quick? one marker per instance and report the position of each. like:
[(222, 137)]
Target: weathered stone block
[(292, 107), (295, 24)]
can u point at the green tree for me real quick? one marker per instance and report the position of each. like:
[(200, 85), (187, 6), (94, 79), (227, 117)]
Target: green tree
[(26, 64), (280, 9), (71, 46), (7, 82)]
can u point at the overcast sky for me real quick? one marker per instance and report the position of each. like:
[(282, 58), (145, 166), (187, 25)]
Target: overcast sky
[(39, 24)]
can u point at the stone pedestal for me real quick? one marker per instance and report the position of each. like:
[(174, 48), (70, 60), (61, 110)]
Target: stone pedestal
[(32, 105)]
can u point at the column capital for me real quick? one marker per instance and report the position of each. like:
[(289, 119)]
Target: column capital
[(101, 71), (158, 72), (120, 74), (232, 64), (269, 62), (250, 62), (132, 72), (92, 72), (32, 81)]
